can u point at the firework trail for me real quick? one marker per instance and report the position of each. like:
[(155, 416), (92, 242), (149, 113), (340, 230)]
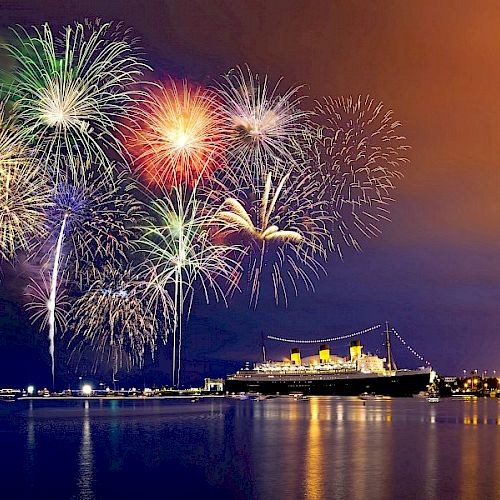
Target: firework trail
[(70, 91), (24, 194), (179, 137), (180, 253), (112, 318), (359, 153), (266, 129), (51, 304), (43, 295), (282, 227)]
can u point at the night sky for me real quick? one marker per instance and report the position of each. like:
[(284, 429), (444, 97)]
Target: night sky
[(435, 271)]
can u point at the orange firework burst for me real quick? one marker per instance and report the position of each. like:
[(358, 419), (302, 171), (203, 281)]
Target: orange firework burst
[(180, 135)]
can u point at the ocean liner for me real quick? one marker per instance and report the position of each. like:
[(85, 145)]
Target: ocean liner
[(328, 374)]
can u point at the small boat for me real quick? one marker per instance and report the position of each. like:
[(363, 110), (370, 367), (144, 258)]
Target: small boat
[(433, 398), (421, 395), (261, 397), (299, 396), (242, 396), (239, 395), (372, 397), (195, 399)]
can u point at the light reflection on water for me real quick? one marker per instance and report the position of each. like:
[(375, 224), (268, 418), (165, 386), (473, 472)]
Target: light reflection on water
[(313, 462), (30, 445), (431, 454), (85, 462), (320, 448)]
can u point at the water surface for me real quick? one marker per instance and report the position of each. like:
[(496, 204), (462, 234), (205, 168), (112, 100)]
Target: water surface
[(322, 448)]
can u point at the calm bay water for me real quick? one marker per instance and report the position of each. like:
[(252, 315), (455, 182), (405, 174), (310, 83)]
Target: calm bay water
[(322, 448)]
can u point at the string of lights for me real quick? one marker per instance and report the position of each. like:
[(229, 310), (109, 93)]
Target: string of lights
[(318, 341), (415, 353)]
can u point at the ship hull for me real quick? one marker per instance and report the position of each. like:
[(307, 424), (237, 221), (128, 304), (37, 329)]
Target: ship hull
[(404, 383)]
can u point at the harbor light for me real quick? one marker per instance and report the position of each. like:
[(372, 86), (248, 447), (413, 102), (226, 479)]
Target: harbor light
[(30, 390), (87, 390)]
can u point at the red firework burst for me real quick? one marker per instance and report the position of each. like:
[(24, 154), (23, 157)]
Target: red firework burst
[(180, 136)]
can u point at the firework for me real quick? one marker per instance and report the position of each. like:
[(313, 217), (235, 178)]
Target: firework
[(112, 318), (359, 152), (180, 254), (180, 135), (281, 224), (93, 219), (99, 216), (265, 128), (70, 91), (24, 195)]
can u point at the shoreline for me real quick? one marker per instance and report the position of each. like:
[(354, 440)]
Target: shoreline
[(141, 398)]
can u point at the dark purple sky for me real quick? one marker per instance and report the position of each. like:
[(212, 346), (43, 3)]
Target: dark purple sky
[(435, 272)]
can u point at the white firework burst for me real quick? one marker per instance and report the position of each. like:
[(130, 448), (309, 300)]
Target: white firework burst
[(113, 320), (265, 128), (359, 153), (73, 92), (180, 255), (281, 224)]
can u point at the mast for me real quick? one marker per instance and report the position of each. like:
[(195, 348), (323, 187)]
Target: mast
[(263, 347), (388, 346)]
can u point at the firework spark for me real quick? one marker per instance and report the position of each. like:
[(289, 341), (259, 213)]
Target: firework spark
[(113, 319), (70, 91), (38, 293), (263, 232), (265, 128), (24, 195), (359, 152), (180, 253), (281, 228), (180, 135)]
